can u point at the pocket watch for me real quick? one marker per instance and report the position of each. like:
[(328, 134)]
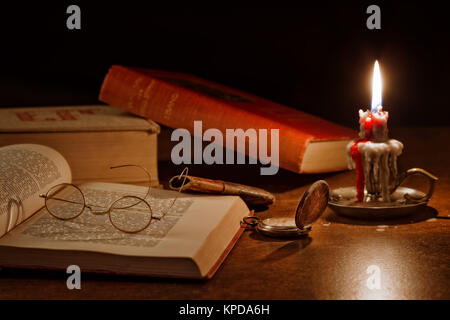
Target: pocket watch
[(311, 206)]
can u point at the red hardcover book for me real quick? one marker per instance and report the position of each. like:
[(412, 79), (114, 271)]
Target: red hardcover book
[(307, 144)]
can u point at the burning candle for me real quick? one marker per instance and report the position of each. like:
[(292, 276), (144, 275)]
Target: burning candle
[(374, 155)]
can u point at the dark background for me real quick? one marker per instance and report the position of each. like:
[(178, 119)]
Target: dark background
[(315, 58)]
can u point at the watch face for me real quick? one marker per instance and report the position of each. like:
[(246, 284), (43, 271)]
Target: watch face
[(312, 204)]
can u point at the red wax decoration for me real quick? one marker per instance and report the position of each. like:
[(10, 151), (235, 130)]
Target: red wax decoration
[(378, 121), (368, 125)]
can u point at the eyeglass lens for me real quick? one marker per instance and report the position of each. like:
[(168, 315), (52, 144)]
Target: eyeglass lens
[(65, 201)]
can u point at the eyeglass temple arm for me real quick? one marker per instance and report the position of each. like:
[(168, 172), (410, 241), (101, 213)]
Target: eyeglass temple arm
[(65, 200), (138, 166)]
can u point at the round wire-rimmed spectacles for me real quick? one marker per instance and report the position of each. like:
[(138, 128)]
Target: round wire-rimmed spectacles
[(129, 213)]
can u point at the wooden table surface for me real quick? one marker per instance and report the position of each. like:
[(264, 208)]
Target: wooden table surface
[(412, 254)]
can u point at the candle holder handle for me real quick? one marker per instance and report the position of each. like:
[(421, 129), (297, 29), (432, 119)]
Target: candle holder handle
[(431, 178)]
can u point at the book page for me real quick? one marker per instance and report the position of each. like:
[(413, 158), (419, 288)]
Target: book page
[(26, 170), (179, 233)]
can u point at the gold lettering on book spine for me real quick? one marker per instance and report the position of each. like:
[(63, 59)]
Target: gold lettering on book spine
[(146, 95), (132, 99), (170, 104)]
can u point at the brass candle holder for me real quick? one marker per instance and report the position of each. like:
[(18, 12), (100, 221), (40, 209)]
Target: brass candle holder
[(403, 200)]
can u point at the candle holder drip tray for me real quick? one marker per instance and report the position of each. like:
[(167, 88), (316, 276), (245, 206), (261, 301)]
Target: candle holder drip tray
[(404, 200)]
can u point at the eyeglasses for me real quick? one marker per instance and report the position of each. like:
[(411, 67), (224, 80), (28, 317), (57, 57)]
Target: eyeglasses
[(129, 213)]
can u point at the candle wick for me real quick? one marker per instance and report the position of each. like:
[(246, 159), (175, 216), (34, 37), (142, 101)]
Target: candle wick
[(376, 109)]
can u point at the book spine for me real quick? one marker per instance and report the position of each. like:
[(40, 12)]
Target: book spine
[(177, 107)]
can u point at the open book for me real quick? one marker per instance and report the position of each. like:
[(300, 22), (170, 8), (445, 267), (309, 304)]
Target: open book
[(190, 241)]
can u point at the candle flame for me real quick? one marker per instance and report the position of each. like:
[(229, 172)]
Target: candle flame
[(376, 88)]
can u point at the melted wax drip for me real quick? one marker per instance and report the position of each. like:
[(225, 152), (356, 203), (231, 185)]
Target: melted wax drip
[(356, 156)]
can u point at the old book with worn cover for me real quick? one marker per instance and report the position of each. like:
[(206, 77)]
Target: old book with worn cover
[(307, 144), (190, 241), (91, 138)]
